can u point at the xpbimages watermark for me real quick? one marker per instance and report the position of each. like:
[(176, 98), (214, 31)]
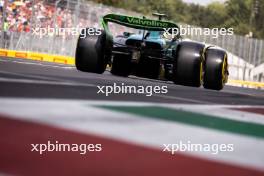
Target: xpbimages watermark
[(190, 31), (59, 147), (194, 147), (51, 31), (131, 89)]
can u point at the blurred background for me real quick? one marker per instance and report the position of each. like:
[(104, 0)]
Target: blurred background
[(245, 47)]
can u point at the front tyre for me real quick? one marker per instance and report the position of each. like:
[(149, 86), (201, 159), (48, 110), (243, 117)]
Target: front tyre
[(215, 69), (90, 53)]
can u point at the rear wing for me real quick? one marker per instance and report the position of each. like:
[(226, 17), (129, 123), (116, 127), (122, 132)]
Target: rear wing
[(137, 23)]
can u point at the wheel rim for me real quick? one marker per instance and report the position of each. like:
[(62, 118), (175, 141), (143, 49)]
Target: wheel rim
[(224, 70), (201, 72)]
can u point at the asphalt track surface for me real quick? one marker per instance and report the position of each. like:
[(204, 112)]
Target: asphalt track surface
[(32, 79), (42, 102)]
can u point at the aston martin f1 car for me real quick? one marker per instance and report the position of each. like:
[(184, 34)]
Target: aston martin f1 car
[(149, 54)]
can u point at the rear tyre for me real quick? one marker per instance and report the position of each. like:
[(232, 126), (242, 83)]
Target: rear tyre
[(121, 65), (188, 64), (216, 69), (90, 53)]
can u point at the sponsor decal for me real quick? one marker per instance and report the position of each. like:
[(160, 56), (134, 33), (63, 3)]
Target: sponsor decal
[(146, 22)]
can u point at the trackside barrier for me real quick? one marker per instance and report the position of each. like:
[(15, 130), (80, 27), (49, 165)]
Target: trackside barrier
[(248, 84), (71, 61), (37, 56)]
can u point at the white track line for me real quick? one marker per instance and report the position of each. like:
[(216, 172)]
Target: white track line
[(183, 99), (43, 82), (30, 76)]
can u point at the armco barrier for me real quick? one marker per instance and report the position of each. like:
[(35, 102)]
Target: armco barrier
[(37, 56), (71, 61)]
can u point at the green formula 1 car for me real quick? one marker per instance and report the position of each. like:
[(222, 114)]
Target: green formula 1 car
[(149, 54)]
